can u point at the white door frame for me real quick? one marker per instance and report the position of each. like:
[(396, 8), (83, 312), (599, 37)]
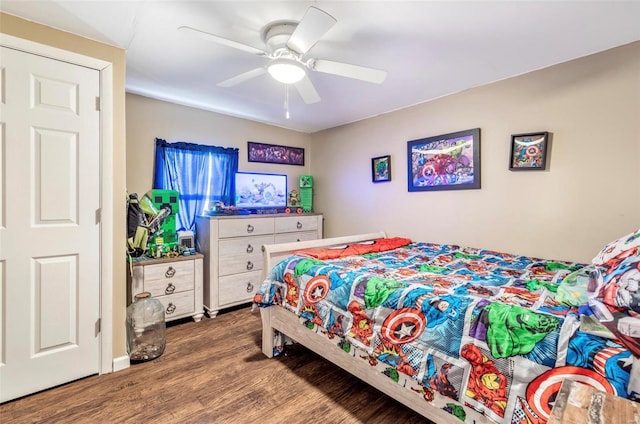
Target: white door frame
[(106, 176)]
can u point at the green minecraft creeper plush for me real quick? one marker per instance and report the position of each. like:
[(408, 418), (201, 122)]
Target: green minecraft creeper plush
[(306, 193), (165, 200)]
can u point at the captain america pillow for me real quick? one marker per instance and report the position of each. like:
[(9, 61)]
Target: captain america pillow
[(622, 247), (619, 263)]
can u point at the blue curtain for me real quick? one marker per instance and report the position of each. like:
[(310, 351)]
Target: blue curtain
[(200, 174)]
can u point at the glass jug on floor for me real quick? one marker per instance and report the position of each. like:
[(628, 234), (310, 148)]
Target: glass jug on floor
[(145, 328)]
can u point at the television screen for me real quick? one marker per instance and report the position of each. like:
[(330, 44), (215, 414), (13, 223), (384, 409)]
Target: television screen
[(260, 191)]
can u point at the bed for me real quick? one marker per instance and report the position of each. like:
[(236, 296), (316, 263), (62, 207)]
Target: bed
[(453, 331)]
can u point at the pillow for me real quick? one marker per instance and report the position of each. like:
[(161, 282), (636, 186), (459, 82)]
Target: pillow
[(621, 247), (362, 248), (622, 283), (619, 262)]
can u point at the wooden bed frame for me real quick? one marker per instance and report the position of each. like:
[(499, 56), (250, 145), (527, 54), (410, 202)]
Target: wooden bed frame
[(277, 318)]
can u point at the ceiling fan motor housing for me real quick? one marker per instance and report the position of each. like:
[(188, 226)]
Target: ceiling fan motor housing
[(277, 35)]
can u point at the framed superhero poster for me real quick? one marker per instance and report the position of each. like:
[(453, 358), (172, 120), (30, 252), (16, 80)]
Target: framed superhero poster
[(529, 151), (445, 162), (272, 153)]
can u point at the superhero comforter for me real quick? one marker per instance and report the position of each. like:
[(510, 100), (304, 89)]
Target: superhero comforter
[(468, 329)]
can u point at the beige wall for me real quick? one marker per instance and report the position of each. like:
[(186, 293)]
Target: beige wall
[(148, 118), (17, 27), (589, 194)]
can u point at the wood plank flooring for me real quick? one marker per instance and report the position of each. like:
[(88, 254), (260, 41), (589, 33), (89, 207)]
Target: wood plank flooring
[(214, 372)]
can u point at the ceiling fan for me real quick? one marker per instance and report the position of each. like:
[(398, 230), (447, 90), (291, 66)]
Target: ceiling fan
[(286, 44)]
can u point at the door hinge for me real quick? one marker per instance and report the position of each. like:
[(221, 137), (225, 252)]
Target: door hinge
[(98, 323), (98, 104), (98, 215)]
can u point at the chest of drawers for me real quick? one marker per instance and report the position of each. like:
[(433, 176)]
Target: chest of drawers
[(232, 248), (176, 282)]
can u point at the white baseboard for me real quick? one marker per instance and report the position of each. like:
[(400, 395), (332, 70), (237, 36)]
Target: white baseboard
[(121, 363)]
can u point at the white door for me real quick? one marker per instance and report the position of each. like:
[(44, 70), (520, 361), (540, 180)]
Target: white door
[(49, 234)]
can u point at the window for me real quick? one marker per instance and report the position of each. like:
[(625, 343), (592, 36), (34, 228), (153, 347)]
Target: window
[(200, 174)]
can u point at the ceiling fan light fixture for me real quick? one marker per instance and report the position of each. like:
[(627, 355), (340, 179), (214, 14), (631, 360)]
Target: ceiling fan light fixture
[(286, 71)]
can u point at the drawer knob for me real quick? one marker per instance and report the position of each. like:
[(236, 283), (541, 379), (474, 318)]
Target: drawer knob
[(249, 265), (170, 309), (250, 228), (299, 225), (262, 247), (249, 249), (170, 272), (249, 287), (170, 288)]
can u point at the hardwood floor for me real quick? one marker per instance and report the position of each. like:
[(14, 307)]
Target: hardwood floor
[(214, 372)]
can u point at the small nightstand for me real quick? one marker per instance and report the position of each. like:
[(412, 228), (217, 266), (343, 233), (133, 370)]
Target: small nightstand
[(176, 282)]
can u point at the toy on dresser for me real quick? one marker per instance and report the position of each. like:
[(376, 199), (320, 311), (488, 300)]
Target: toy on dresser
[(219, 208), (293, 202), (151, 224), (300, 201), (164, 242), (306, 193)]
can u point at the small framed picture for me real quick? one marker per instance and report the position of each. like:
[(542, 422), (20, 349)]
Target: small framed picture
[(529, 151), (381, 169)]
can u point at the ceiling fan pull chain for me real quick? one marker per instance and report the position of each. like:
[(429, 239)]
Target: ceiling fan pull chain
[(286, 101)]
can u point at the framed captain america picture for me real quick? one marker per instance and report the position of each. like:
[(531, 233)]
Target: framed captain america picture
[(529, 151)]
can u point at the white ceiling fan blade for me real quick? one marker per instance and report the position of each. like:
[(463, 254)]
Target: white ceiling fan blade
[(349, 71), (314, 24), (223, 41), (242, 77), (307, 91)]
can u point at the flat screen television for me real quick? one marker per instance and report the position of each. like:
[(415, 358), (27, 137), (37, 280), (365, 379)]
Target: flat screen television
[(255, 191)]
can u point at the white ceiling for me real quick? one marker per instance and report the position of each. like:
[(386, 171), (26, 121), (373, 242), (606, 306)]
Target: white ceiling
[(428, 48)]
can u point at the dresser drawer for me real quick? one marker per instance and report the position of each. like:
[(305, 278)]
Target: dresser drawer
[(241, 263), (293, 237), (174, 277), (295, 223), (177, 304), (169, 286), (242, 246), (238, 288), (244, 227)]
